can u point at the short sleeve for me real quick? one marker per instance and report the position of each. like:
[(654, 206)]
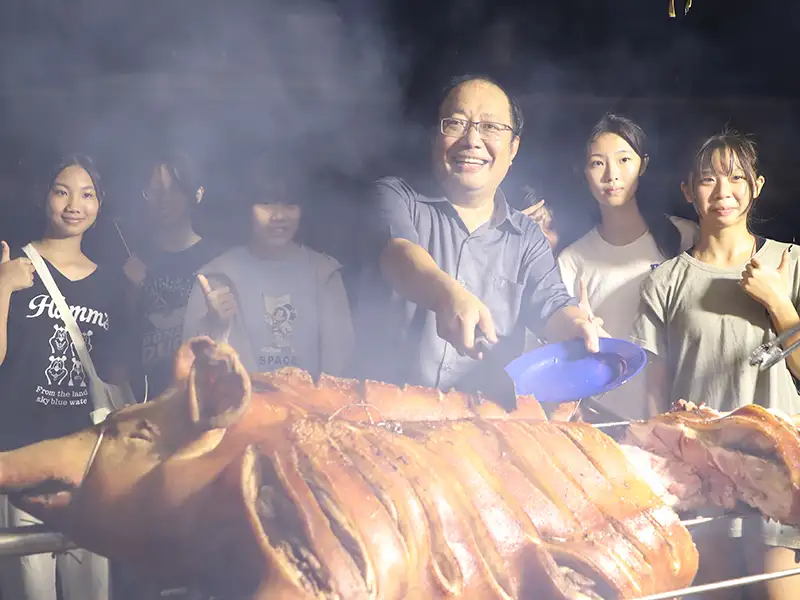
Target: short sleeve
[(649, 327), (544, 291), (392, 209), (568, 266)]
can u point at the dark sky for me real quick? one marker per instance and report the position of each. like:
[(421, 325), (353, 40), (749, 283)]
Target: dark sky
[(629, 46), (344, 70), (746, 46)]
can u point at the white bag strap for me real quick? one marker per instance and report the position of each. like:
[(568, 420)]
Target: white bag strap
[(100, 398)]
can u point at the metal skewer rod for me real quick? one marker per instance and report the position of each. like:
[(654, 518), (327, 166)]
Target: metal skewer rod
[(701, 520), (32, 539), (614, 424), (722, 585), (122, 237)]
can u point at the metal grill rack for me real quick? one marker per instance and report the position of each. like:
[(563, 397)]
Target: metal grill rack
[(37, 539)]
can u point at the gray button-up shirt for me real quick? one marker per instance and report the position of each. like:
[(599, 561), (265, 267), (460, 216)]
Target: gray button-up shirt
[(507, 263)]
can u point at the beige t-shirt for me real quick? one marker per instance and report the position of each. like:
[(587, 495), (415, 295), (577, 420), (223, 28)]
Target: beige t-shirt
[(613, 276), (698, 318)]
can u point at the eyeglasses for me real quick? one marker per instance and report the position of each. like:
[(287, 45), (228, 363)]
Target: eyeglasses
[(487, 130)]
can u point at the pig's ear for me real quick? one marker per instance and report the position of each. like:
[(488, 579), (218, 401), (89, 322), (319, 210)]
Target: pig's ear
[(184, 359), (219, 386)]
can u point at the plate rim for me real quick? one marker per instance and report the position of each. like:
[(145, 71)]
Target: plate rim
[(636, 353)]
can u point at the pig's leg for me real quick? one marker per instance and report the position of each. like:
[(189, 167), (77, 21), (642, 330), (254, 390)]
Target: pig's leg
[(28, 577)]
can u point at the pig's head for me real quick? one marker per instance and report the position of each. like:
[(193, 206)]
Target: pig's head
[(164, 485)]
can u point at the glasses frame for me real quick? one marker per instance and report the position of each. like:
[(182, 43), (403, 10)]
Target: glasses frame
[(477, 125)]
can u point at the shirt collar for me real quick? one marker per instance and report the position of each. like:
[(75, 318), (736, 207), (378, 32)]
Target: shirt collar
[(502, 216)]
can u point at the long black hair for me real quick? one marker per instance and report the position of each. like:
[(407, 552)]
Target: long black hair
[(664, 232)]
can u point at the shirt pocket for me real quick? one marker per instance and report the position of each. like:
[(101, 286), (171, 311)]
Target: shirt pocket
[(504, 300)]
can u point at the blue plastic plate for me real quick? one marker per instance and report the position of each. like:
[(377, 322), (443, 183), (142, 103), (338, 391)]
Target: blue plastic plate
[(567, 371)]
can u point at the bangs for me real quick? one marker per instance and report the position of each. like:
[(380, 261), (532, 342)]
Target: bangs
[(735, 153)]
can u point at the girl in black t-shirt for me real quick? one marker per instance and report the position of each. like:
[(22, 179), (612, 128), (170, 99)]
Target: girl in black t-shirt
[(163, 266), (45, 392)]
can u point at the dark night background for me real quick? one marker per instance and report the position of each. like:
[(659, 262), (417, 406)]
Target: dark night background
[(342, 90)]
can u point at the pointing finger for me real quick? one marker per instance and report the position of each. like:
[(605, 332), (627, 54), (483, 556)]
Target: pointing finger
[(6, 254)]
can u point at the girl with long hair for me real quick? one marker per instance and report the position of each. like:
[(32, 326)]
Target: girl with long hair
[(605, 267), (45, 388)]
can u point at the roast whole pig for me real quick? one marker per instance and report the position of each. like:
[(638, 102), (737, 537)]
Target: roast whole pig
[(277, 487)]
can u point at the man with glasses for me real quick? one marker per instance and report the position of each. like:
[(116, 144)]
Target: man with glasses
[(461, 263)]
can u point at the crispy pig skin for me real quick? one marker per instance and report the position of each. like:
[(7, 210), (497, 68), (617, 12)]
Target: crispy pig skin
[(739, 455), (356, 400), (442, 495)]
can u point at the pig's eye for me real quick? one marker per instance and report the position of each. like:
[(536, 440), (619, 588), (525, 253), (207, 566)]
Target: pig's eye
[(144, 431)]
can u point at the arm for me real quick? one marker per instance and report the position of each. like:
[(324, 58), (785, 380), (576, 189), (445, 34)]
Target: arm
[(196, 319), (404, 263), (413, 274), (650, 332), (550, 309), (337, 338), (15, 275), (773, 289), (656, 385), (784, 316)]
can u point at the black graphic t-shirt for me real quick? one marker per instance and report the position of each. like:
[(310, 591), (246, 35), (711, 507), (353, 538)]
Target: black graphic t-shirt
[(165, 292), (44, 389)]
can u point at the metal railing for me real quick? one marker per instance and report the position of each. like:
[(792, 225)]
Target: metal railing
[(32, 539), (38, 539)]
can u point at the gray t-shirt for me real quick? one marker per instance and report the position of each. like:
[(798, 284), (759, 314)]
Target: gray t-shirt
[(698, 318), (279, 301)]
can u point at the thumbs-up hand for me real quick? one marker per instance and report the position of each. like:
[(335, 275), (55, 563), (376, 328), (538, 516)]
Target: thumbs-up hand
[(221, 302), (15, 274), (770, 286)]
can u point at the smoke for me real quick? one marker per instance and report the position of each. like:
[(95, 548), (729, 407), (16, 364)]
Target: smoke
[(310, 83)]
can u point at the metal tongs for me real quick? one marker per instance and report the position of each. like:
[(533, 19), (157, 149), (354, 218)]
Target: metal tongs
[(769, 354)]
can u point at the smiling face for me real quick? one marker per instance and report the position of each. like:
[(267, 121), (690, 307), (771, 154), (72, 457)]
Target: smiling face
[(473, 162), (72, 203), (275, 216), (723, 190), (612, 170)]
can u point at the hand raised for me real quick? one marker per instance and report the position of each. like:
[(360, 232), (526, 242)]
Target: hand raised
[(542, 216), (768, 285), (221, 302), (15, 274)]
